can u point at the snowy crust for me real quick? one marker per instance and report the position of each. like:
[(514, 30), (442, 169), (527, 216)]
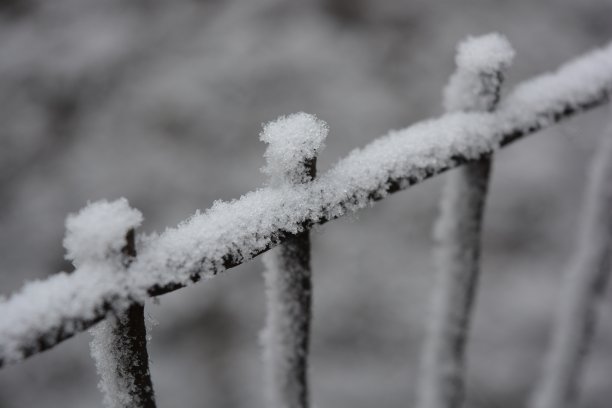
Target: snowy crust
[(245, 227)]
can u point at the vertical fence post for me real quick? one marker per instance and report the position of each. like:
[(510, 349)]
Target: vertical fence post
[(293, 143), (583, 286), (475, 86), (102, 234)]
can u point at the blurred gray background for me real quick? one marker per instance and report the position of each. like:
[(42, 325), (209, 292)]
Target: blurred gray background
[(162, 101)]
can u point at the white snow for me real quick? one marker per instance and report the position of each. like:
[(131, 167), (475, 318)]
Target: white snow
[(534, 103), (94, 238), (487, 53), (246, 226), (98, 231), (291, 141), (107, 354), (475, 86), (63, 301), (113, 353), (287, 275), (481, 62), (243, 228)]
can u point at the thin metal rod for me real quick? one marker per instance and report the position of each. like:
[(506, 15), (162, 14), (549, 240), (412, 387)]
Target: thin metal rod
[(458, 233), (584, 284)]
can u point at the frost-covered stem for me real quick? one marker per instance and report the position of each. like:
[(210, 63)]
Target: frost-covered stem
[(583, 286), (119, 347), (475, 86), (291, 154)]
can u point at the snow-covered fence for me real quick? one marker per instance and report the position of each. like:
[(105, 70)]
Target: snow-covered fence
[(102, 235), (475, 86), (293, 144), (106, 284)]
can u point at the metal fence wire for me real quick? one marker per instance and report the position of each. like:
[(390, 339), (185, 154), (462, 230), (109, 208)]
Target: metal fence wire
[(116, 271)]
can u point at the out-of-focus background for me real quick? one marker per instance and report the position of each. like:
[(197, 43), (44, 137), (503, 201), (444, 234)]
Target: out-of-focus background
[(162, 102)]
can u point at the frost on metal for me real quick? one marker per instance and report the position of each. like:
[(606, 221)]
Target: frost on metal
[(98, 232), (292, 141), (119, 353), (107, 352), (46, 312), (479, 74), (488, 53), (101, 236), (583, 287), (291, 155), (286, 336), (576, 85), (475, 86)]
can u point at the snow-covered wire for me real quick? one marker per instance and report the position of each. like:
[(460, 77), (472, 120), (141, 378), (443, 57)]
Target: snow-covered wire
[(293, 142), (43, 313), (583, 286), (475, 86)]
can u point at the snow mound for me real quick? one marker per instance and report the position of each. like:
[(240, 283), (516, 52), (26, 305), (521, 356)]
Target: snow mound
[(292, 140), (488, 53), (99, 230)]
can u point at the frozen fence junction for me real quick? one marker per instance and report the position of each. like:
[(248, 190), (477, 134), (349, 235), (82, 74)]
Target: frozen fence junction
[(114, 272)]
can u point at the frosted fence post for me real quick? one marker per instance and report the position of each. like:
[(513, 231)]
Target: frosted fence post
[(293, 143), (42, 314), (584, 284), (102, 235), (475, 86)]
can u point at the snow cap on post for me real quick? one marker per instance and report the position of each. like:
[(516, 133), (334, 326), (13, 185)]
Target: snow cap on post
[(99, 230), (481, 62), (487, 53), (293, 141)]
